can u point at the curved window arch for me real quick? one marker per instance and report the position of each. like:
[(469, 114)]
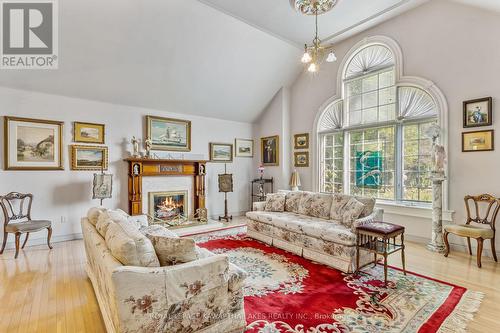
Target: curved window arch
[(371, 140)]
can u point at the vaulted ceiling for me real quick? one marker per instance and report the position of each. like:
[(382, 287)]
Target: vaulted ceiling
[(217, 58)]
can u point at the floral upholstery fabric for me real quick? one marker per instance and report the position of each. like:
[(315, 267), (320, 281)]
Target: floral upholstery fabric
[(130, 247), (204, 295), (157, 230), (93, 214), (103, 222), (275, 202), (321, 205), (172, 251), (306, 201), (292, 201), (140, 221), (351, 212), (338, 203), (369, 205)]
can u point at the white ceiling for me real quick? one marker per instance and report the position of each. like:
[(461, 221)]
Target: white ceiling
[(190, 56), (485, 4)]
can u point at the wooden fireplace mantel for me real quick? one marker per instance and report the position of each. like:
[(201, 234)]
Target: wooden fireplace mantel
[(141, 167)]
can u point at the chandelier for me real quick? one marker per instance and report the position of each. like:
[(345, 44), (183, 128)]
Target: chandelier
[(316, 52)]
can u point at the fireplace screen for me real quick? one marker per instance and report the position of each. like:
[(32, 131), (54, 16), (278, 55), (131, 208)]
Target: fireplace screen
[(168, 206)]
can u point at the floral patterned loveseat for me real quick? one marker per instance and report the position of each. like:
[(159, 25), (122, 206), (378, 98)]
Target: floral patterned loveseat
[(317, 226), (203, 295)]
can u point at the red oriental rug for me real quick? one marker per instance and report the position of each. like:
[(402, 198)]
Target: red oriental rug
[(287, 293)]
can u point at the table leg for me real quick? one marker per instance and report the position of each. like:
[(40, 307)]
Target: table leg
[(385, 268), (403, 253)]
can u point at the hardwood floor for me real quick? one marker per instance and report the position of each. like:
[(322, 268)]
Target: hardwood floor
[(48, 291)]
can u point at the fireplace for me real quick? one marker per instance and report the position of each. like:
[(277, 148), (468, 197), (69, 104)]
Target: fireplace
[(168, 206)]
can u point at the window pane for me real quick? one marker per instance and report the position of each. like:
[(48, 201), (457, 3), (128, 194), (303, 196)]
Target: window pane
[(387, 112), (370, 100), (387, 96), (386, 79), (372, 162), (370, 116), (370, 83), (354, 103), (355, 118), (332, 175), (417, 164), (354, 88)]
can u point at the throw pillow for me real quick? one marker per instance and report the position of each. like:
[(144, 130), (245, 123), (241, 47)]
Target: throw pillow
[(103, 223), (369, 205), (139, 220), (351, 212), (172, 251), (292, 201), (305, 203), (130, 247), (157, 230), (93, 214), (321, 205), (275, 202), (338, 203)]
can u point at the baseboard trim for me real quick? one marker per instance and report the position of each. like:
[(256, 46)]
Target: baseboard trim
[(454, 246), (42, 240)]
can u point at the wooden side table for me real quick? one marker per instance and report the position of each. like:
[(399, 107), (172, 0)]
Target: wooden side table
[(381, 238)]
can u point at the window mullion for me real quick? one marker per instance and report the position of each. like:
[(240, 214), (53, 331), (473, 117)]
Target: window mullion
[(399, 162), (347, 163)]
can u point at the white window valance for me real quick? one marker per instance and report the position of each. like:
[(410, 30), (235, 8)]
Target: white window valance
[(368, 59), (332, 117), (415, 103)]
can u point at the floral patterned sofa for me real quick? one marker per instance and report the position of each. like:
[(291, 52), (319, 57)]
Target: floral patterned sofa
[(203, 295), (317, 226)]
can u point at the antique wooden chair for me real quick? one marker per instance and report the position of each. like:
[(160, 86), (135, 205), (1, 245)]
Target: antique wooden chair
[(17, 219), (483, 227)]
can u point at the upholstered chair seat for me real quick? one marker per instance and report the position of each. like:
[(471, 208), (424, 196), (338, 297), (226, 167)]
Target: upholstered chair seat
[(471, 231), (28, 226)]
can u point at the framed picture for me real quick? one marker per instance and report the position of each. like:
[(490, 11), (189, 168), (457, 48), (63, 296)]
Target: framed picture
[(89, 158), (88, 132), (226, 182), (301, 141), (478, 113), (301, 159), (102, 186), (270, 150), (221, 152), (243, 147), (169, 133), (33, 144), (478, 141)]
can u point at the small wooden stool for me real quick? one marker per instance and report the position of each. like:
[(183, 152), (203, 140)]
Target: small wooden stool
[(376, 238)]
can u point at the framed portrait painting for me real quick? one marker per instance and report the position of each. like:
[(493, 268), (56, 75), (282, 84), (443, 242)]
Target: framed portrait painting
[(221, 152), (301, 159), (168, 133), (301, 141), (88, 133), (89, 158), (478, 112), (33, 144), (270, 150), (243, 147), (478, 141)]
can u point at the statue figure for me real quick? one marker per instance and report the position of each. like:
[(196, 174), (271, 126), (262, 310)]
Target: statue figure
[(135, 146), (149, 144), (439, 158)]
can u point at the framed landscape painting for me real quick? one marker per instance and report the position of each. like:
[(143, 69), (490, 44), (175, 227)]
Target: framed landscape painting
[(478, 113), (301, 159), (221, 152), (33, 144), (270, 150), (478, 141), (88, 133), (243, 147), (301, 141), (89, 158), (169, 133)]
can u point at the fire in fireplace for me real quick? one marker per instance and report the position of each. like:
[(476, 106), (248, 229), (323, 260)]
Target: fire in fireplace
[(168, 206)]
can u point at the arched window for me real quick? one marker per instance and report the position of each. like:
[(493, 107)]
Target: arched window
[(371, 140)]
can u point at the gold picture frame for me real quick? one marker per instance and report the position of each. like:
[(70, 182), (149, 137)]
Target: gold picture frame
[(243, 147), (221, 152), (33, 144), (89, 133), (301, 159), (478, 141), (168, 134), (270, 150), (301, 141), (89, 158)]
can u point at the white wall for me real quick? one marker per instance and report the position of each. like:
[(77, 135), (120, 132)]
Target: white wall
[(66, 195), (456, 47), (275, 120)]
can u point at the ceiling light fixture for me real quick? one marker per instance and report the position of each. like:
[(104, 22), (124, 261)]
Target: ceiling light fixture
[(315, 53)]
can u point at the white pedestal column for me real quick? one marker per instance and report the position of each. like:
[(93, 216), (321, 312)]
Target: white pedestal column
[(437, 244)]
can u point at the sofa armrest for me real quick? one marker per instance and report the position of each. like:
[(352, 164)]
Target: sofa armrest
[(376, 215), (236, 278), (259, 206)]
